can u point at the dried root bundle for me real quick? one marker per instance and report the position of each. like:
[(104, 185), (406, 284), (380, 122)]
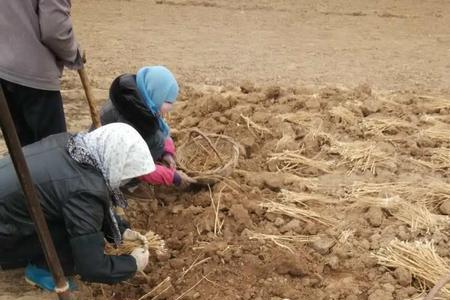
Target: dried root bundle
[(416, 215), (439, 160), (361, 156), (155, 243), (420, 258), (294, 161), (386, 126), (305, 215), (286, 196), (281, 240), (429, 194), (439, 133)]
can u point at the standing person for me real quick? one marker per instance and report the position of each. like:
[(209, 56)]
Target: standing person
[(140, 100), (36, 42), (77, 178)]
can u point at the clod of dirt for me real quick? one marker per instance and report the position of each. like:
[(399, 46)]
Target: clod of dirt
[(403, 276), (189, 121), (363, 89), (248, 145), (240, 214), (444, 208), (380, 295), (333, 262), (323, 245), (279, 222), (375, 216), (247, 87), (293, 225), (289, 266), (370, 106), (273, 92)]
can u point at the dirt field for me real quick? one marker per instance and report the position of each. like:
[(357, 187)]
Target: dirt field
[(342, 113)]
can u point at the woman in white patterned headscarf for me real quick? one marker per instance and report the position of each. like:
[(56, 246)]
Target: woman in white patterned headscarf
[(77, 178)]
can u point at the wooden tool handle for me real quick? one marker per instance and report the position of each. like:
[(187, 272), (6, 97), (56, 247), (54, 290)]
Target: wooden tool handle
[(90, 97)]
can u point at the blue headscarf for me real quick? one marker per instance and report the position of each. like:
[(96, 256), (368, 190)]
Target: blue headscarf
[(157, 85)]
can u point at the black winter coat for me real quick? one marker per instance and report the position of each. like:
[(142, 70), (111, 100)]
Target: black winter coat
[(127, 106), (72, 196)]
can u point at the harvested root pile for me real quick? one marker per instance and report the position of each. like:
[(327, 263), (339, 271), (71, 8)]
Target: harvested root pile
[(208, 157), (155, 243), (386, 126), (419, 258), (429, 194), (295, 162), (439, 133), (438, 160), (286, 196), (362, 156), (416, 215), (281, 240), (305, 215)]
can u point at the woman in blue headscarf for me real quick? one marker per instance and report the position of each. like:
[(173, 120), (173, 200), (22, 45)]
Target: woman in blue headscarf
[(140, 100)]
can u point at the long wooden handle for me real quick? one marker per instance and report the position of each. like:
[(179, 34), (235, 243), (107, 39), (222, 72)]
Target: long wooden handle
[(90, 97)]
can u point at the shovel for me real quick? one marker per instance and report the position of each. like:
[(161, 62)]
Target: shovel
[(89, 95)]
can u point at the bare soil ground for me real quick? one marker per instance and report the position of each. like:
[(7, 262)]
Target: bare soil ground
[(337, 106)]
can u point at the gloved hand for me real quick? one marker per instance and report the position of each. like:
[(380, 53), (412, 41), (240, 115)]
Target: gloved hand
[(186, 180), (169, 160), (141, 256), (131, 235)]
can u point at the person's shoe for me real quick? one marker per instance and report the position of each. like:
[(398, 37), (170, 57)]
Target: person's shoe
[(43, 278)]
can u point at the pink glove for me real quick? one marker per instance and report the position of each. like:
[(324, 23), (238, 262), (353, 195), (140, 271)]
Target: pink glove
[(169, 147), (161, 176)]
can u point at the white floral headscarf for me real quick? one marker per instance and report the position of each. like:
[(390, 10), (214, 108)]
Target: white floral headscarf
[(119, 152)]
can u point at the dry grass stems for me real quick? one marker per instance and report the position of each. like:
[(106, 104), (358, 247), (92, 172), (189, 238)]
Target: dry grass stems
[(258, 131), (299, 118), (160, 289), (218, 223), (305, 215), (420, 258), (294, 161), (155, 243), (194, 264), (362, 156), (345, 236), (280, 240)]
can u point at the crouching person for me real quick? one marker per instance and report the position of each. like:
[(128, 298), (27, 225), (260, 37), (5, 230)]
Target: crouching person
[(141, 100), (77, 178)]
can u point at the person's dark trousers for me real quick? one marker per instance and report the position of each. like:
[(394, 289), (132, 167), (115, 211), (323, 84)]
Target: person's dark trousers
[(17, 253), (36, 113)]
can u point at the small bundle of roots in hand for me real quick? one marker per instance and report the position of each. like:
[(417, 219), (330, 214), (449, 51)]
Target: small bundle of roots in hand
[(153, 242)]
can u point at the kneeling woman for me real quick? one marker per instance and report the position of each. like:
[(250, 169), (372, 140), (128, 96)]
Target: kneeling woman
[(77, 178)]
